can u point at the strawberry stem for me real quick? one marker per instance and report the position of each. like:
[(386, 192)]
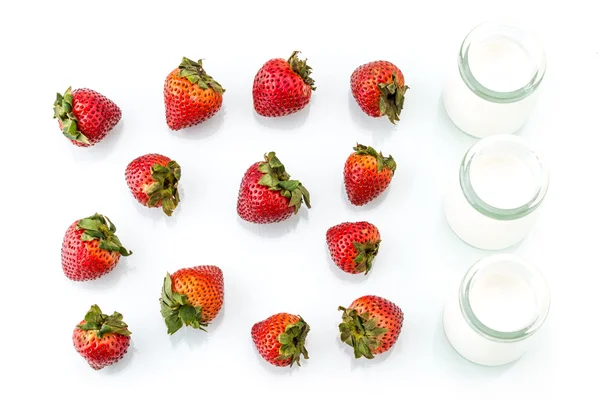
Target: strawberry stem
[(63, 110), (195, 73), (99, 227), (103, 324), (176, 311), (361, 332), (301, 68), (292, 342), (382, 162), (391, 100), (277, 179)]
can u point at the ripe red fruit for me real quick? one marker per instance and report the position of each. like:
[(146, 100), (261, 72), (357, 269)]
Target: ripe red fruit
[(353, 246), (371, 325), (91, 249), (282, 87), (280, 339), (367, 174), (153, 180), (267, 194), (192, 296), (191, 95), (100, 339), (85, 116), (378, 88)]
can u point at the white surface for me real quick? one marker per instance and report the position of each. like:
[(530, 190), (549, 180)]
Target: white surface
[(500, 64), (125, 51), (501, 298)]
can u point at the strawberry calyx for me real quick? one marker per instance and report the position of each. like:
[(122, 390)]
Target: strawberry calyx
[(300, 68), (366, 254), (277, 179), (176, 310), (164, 189), (382, 162), (391, 99), (63, 110), (99, 227), (360, 331), (104, 324), (195, 73), (292, 342)]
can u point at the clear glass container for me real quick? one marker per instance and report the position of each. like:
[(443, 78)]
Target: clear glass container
[(502, 302), (493, 88), (494, 200)]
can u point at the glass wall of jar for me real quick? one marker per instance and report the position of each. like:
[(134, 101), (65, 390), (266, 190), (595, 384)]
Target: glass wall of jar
[(494, 200), (493, 89), (501, 303)]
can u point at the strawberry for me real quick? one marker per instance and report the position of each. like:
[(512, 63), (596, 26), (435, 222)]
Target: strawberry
[(378, 88), (353, 246), (153, 180), (191, 95), (371, 325), (282, 87), (91, 249), (280, 339), (85, 116), (192, 296), (267, 194), (367, 174), (100, 339)]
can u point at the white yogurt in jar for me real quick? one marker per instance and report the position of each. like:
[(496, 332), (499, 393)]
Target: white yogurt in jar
[(502, 302), (494, 200), (493, 88)]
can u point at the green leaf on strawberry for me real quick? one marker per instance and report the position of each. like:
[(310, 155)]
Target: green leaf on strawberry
[(176, 311), (99, 227), (277, 179)]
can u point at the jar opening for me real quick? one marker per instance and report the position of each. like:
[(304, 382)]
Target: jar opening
[(501, 63), (502, 178), (504, 298)]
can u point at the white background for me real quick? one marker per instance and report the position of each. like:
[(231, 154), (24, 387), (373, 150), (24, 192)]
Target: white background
[(125, 50)]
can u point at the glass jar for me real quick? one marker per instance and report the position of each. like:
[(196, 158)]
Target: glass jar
[(494, 200), (502, 302), (493, 89)]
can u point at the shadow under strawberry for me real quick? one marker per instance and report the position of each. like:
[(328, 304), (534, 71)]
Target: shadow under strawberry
[(99, 151), (287, 123), (203, 130), (379, 128), (279, 229)]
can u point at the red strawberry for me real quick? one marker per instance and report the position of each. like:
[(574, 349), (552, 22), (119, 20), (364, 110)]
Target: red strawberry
[(378, 88), (192, 296), (91, 249), (371, 325), (367, 174), (85, 116), (191, 95), (353, 246), (268, 195), (153, 180), (282, 87), (280, 339), (101, 339)]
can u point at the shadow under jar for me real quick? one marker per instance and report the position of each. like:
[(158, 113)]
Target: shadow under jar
[(502, 302), (494, 200), (493, 89)]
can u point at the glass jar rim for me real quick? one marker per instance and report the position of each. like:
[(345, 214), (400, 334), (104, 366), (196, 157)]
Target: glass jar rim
[(504, 214), (538, 283), (525, 39)]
